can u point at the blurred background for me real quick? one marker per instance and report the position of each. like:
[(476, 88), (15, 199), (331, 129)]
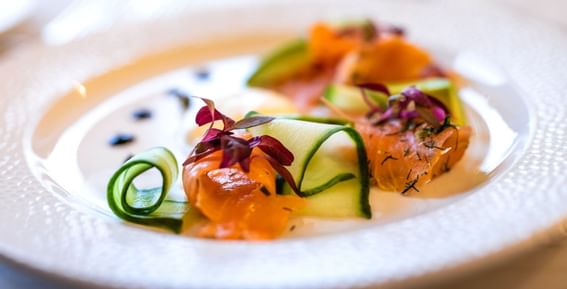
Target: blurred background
[(56, 22), (25, 23)]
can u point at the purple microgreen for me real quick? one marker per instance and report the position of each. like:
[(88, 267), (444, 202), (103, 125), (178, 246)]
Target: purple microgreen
[(208, 114), (373, 87), (438, 104), (388, 114), (204, 116), (273, 148), (411, 114), (439, 113), (427, 115), (245, 164), (202, 150), (214, 133), (251, 122), (369, 103), (413, 94), (410, 104), (379, 87), (235, 150), (284, 173), (394, 100)]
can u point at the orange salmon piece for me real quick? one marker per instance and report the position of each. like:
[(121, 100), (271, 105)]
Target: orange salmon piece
[(305, 89), (328, 46), (390, 60), (238, 205), (348, 57), (403, 161)]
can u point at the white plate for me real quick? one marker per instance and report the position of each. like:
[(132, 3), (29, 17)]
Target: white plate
[(14, 12), (53, 223)]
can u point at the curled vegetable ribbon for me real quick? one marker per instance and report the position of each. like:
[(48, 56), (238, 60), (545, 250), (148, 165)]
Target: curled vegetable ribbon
[(141, 205)]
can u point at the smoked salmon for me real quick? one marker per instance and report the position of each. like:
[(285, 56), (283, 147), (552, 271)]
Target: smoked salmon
[(350, 54), (238, 204), (402, 161)]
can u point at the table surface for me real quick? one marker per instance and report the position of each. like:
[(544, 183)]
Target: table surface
[(544, 267)]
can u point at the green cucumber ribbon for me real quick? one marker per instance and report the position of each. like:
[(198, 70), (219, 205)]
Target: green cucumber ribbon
[(146, 206), (330, 167)]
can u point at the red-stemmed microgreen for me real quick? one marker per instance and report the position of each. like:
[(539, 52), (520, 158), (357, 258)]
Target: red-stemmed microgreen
[(410, 105), (237, 150), (378, 87)]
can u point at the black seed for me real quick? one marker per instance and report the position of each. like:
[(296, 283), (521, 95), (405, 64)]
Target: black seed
[(141, 114), (202, 73), (292, 228), (176, 92), (121, 139)]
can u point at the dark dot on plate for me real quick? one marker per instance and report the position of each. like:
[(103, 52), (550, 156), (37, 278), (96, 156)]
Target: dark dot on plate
[(121, 139), (182, 96), (141, 114), (202, 73), (128, 157), (177, 92)]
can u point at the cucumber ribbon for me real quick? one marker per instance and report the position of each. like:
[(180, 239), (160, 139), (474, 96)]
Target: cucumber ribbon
[(146, 206), (330, 166)]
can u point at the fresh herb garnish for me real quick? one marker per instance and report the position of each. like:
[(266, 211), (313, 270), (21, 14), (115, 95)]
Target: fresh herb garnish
[(430, 144), (389, 157), (410, 185), (411, 106), (407, 151), (409, 173), (235, 149)]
